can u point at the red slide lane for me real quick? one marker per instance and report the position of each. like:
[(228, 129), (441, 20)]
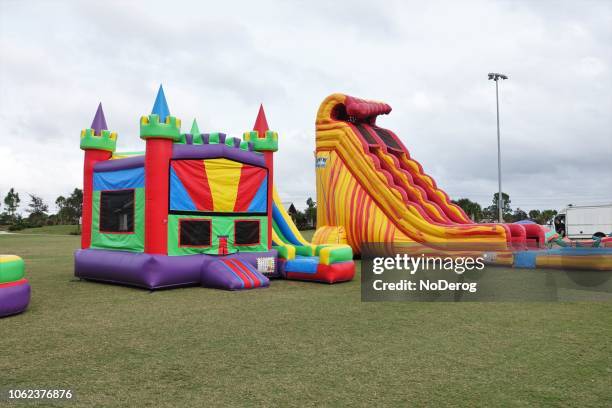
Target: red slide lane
[(522, 235), (423, 180), (412, 184), (427, 210), (408, 198)]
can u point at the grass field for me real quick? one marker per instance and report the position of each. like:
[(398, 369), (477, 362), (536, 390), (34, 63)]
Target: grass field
[(293, 344), (52, 229)]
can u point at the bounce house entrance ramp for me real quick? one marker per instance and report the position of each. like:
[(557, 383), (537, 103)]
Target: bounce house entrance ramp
[(232, 274)]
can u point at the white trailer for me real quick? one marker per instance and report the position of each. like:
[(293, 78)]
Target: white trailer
[(584, 221)]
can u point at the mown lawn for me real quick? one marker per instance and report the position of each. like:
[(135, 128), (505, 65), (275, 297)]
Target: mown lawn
[(52, 229), (293, 344)]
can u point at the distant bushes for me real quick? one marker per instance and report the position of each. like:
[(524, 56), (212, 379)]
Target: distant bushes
[(19, 224), (69, 211)]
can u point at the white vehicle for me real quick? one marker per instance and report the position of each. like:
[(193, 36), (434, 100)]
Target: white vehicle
[(584, 221)]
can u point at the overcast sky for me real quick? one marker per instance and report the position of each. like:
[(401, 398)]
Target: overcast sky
[(218, 60)]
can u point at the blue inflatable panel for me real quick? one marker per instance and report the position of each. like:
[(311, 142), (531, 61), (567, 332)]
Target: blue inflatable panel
[(260, 201), (179, 197), (284, 228), (525, 259), (119, 179), (302, 264)]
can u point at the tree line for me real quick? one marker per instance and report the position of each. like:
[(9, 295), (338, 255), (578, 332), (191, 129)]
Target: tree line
[(490, 213), (307, 219), (70, 209), (68, 213)]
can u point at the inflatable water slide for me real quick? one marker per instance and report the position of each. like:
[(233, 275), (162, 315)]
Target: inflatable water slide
[(371, 190)]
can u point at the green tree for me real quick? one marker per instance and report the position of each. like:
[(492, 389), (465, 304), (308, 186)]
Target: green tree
[(472, 209), (535, 215), (518, 215), (11, 202), (300, 220), (546, 216), (18, 223), (70, 208), (492, 211), (75, 203), (5, 219), (311, 212), (60, 203), (37, 210)]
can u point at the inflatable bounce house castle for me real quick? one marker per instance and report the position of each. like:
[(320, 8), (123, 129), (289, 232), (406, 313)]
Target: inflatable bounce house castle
[(192, 209)]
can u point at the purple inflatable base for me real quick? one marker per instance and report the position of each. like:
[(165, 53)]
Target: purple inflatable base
[(14, 299), (150, 271)]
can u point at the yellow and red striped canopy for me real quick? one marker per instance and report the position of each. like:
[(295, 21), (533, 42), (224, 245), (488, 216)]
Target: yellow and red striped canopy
[(217, 185)]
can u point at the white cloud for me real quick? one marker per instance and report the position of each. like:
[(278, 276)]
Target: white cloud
[(428, 60), (591, 67)]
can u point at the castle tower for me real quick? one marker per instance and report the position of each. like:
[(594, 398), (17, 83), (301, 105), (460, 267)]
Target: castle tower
[(99, 144), (160, 131), (266, 141)]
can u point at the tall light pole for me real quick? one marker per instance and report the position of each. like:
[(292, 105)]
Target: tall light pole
[(500, 201)]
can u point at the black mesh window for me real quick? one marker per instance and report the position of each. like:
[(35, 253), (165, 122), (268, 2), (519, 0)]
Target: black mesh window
[(246, 232), (195, 233), (387, 138), (117, 211), (368, 137)]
